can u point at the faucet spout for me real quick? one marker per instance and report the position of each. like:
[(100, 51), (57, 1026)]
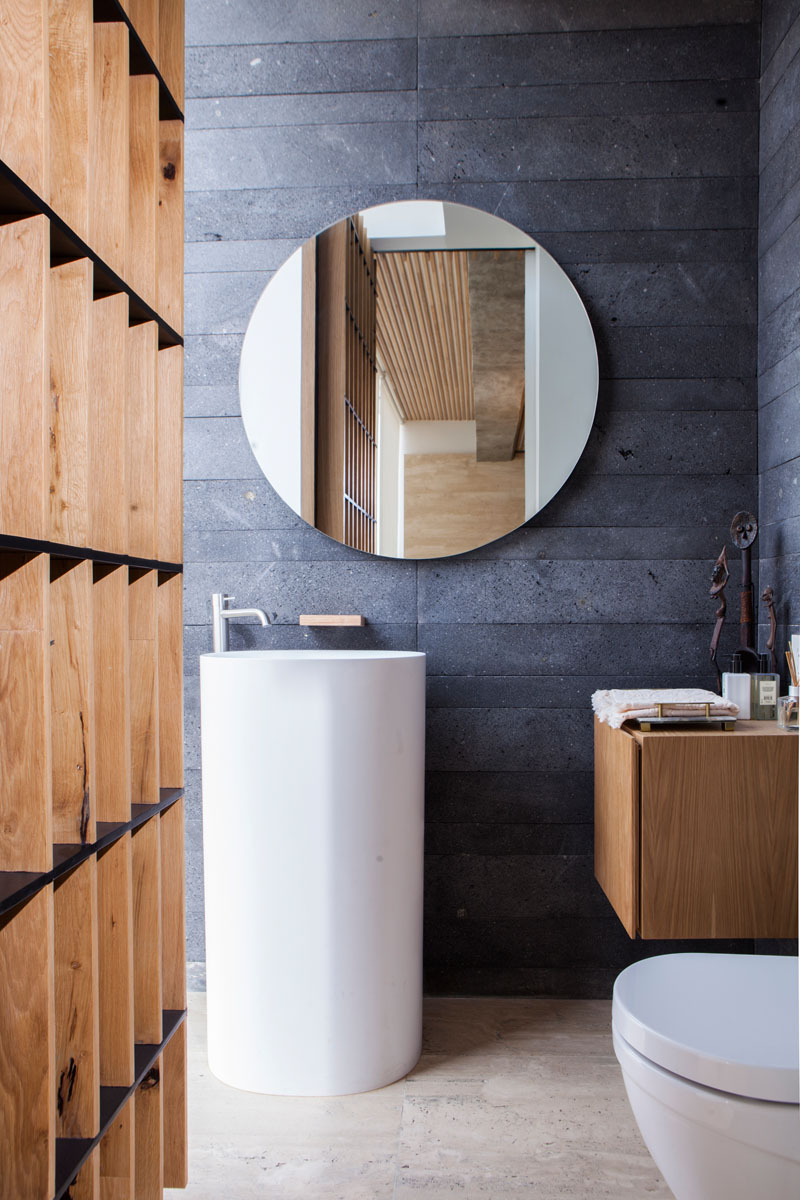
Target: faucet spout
[(221, 614)]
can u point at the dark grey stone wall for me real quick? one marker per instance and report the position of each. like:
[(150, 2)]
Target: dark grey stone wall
[(779, 310), (624, 137)]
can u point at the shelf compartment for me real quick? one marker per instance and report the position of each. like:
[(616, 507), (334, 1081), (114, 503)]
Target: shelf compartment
[(117, 1154), (72, 701), (24, 97), (147, 989), (116, 1118), (170, 224), (142, 628), (173, 916), (27, 1051), (111, 693), (115, 943), (141, 62), (108, 232), (174, 1073), (77, 1072), (170, 679), (71, 39), (86, 1184), (171, 38), (143, 16), (70, 297), (144, 186), (148, 1127), (170, 454), (108, 508), (25, 774), (24, 268), (140, 438)]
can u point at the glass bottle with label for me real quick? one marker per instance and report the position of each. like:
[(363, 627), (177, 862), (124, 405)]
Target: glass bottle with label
[(765, 689)]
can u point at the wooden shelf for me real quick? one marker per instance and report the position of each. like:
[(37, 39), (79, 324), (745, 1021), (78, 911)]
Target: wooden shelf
[(72, 1153), (59, 550), (18, 886)]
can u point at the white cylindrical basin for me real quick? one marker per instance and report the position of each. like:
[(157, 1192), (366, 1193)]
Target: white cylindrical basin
[(313, 769)]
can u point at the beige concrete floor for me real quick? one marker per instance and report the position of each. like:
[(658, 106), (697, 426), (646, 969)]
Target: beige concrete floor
[(511, 1098)]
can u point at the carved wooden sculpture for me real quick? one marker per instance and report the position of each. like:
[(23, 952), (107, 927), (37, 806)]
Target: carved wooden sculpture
[(744, 531), (768, 598), (719, 578)]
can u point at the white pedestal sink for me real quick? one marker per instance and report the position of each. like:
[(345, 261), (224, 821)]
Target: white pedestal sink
[(313, 767)]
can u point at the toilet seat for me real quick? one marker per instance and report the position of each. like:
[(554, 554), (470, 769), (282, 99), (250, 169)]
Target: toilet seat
[(726, 1021)]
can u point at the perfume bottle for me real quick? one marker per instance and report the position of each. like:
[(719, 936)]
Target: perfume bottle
[(764, 689), (736, 687)]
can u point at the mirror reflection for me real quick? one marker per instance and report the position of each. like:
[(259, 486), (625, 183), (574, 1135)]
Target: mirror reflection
[(418, 379)]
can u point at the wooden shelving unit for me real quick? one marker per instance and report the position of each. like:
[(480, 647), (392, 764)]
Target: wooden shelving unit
[(92, 976)]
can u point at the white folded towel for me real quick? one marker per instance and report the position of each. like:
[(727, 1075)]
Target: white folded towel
[(628, 704)]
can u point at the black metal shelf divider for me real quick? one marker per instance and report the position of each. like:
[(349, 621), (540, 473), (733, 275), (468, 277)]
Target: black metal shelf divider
[(60, 550)]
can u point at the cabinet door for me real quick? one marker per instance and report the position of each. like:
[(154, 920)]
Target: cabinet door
[(719, 836), (616, 821)]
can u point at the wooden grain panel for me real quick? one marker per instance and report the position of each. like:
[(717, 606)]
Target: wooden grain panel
[(118, 1156), (72, 700), (143, 194), (173, 915), (719, 836), (169, 500), (25, 771), (140, 437), (170, 224), (115, 959), (68, 425), (27, 1051), (149, 1145), (147, 1005), (108, 501), (24, 281), (108, 221), (453, 503), (170, 46), (71, 38), (144, 18), (111, 694), (173, 1083), (616, 821), (24, 95), (331, 379), (170, 681), (142, 625), (77, 1004), (86, 1185)]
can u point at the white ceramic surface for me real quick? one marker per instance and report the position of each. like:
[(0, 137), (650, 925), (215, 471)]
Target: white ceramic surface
[(728, 1018), (313, 767)]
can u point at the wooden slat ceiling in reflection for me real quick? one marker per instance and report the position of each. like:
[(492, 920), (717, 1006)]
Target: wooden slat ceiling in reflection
[(423, 333)]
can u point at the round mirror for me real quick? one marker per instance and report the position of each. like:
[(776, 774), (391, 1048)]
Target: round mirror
[(419, 379)]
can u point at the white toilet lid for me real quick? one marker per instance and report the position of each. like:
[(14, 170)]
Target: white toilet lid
[(729, 1021)]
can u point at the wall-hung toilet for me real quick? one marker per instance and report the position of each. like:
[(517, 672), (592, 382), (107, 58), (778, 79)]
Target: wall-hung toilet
[(708, 1045)]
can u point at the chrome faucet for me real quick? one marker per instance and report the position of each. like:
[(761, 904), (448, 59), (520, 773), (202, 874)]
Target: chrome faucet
[(220, 615)]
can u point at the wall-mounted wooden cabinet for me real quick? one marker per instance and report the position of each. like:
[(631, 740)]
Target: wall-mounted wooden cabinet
[(696, 830), (92, 976)]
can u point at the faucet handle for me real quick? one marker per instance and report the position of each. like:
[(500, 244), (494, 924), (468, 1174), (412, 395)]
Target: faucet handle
[(226, 598)]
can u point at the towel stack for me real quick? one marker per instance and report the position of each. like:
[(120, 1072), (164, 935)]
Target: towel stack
[(630, 704)]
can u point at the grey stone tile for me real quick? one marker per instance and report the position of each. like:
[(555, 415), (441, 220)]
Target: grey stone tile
[(617, 542), (373, 636), (253, 255), (508, 591), (676, 395), (235, 504), (779, 332), (780, 110), (778, 17), (383, 591), (266, 69), (456, 103), (240, 214), (586, 148), (220, 400), (217, 448), (266, 545), (212, 359), (684, 443), (615, 650), (475, 838), (242, 21), (326, 108), (780, 174), (622, 56), (676, 352), (785, 210), (304, 154), (783, 574), (191, 723), (540, 205), (779, 538), (667, 293), (779, 430), (222, 302), (774, 381), (600, 502), (565, 692), (653, 246), (777, 276), (509, 797), (442, 18), (780, 493)]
